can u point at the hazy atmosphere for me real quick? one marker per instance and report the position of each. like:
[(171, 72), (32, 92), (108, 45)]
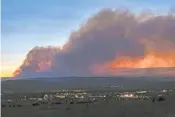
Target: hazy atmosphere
[(88, 58), (92, 38)]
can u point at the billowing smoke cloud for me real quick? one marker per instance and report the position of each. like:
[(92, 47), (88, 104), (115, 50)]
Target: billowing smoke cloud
[(38, 61), (109, 41)]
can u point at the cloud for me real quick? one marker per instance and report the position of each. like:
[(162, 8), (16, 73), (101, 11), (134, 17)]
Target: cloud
[(110, 36)]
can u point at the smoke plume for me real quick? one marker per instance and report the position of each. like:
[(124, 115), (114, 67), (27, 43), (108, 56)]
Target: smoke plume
[(109, 43)]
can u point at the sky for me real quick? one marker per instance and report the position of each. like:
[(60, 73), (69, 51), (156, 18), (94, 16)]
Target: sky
[(30, 23)]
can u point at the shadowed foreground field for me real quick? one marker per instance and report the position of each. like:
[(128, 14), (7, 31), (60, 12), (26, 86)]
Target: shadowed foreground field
[(100, 108), (111, 108)]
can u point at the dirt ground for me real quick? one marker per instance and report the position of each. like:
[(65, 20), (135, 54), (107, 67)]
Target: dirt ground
[(111, 108)]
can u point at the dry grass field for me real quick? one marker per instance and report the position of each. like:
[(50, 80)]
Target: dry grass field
[(103, 108), (110, 108)]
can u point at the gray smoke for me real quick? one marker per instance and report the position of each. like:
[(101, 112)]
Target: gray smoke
[(105, 36)]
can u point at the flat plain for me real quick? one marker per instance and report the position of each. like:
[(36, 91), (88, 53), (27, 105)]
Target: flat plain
[(107, 107)]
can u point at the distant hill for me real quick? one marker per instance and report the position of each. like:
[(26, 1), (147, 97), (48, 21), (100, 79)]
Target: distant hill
[(50, 84)]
